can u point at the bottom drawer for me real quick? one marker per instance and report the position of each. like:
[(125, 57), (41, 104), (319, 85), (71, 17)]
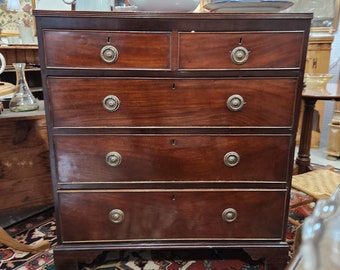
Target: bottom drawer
[(157, 215)]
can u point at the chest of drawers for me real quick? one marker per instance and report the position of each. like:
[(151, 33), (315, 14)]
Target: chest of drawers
[(186, 121)]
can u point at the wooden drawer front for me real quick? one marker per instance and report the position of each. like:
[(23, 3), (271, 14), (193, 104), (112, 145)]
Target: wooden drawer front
[(267, 50), (82, 158), (151, 215), (172, 102), (135, 50)]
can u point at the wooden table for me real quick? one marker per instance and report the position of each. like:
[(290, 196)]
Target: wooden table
[(303, 158)]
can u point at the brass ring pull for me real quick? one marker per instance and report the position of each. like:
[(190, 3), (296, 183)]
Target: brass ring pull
[(111, 103), (116, 216), (113, 159), (235, 103), (109, 54), (231, 159), (229, 215), (239, 55)]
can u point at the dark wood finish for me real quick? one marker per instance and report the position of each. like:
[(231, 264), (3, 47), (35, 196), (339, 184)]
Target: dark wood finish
[(161, 102), (150, 55), (207, 55), (303, 160), (194, 212), (178, 157), (173, 77)]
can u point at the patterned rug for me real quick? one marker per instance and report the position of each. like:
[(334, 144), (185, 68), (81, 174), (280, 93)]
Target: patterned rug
[(29, 231), (43, 227)]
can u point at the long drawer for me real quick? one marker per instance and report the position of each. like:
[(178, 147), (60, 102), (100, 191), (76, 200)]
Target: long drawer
[(151, 215), (113, 102), (158, 158)]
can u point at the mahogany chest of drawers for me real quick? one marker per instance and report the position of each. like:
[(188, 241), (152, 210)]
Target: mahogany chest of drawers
[(171, 130)]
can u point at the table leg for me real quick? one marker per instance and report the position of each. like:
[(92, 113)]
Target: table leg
[(303, 158)]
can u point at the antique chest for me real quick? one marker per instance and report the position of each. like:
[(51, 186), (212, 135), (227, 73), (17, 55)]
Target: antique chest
[(171, 130)]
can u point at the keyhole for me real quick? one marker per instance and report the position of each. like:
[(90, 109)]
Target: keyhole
[(173, 142), (108, 39), (173, 197), (173, 86), (240, 41)]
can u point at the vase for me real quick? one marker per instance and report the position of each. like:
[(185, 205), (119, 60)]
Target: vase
[(316, 84), (22, 100), (321, 234)]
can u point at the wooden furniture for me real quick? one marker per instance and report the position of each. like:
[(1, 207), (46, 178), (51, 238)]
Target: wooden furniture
[(24, 156), (171, 130), (317, 61), (25, 170), (20, 53), (303, 158)]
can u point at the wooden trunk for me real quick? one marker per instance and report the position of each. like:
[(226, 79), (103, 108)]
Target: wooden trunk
[(24, 165)]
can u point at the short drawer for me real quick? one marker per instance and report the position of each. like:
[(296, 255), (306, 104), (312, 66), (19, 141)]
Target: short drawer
[(114, 102), (181, 215), (166, 158), (240, 50), (92, 49)]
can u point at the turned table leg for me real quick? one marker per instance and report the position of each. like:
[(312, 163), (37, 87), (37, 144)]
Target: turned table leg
[(303, 158)]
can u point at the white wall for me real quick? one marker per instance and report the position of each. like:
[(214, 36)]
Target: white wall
[(334, 69)]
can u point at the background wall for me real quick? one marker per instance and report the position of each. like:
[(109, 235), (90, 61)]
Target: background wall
[(334, 69)]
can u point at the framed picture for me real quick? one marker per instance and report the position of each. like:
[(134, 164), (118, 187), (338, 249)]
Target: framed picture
[(13, 14)]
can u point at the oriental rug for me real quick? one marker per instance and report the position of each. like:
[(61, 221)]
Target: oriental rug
[(43, 226)]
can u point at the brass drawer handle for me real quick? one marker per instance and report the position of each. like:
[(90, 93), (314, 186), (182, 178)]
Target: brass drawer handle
[(231, 159), (111, 103), (109, 54), (239, 55), (116, 216), (113, 159), (229, 215), (235, 103)]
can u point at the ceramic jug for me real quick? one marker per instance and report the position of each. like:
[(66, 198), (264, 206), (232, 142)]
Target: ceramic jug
[(90, 5), (3, 63)]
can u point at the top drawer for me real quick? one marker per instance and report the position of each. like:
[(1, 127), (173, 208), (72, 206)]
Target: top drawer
[(128, 50), (242, 50), (107, 50)]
